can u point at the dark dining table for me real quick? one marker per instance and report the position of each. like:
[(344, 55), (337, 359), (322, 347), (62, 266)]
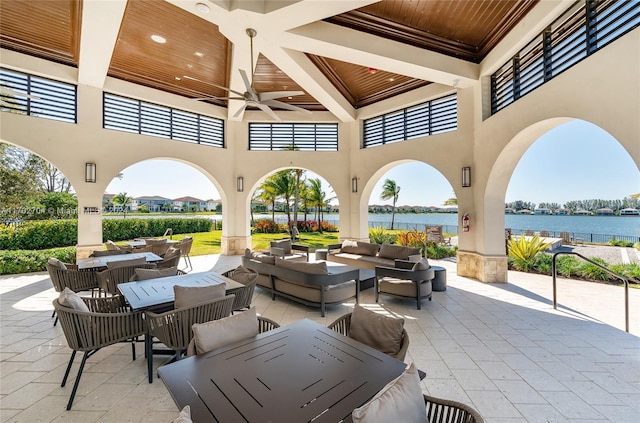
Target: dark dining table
[(158, 292), (98, 262), (300, 372)]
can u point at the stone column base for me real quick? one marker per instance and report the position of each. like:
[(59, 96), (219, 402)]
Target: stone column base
[(234, 245), (482, 268), (83, 251)]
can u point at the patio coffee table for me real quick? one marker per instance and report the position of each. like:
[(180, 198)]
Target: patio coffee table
[(366, 276), (301, 372)]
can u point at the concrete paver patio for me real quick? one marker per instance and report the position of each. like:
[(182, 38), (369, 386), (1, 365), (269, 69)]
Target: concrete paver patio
[(501, 348)]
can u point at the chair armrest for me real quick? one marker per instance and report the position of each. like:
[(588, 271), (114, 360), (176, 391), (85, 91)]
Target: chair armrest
[(299, 247), (333, 247), (415, 258), (414, 275)]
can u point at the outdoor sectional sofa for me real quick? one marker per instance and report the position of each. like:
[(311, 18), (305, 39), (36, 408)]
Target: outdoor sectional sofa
[(313, 284), (367, 255)]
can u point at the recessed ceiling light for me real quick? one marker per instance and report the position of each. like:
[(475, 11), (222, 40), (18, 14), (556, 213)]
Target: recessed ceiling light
[(199, 54), (189, 65), (203, 8), (290, 97), (178, 78), (158, 39), (391, 79)]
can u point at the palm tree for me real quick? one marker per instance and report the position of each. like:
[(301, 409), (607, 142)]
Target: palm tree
[(284, 185), (318, 198), (268, 195), (391, 190), (122, 200)]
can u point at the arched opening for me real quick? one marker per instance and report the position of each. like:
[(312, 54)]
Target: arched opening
[(32, 188)]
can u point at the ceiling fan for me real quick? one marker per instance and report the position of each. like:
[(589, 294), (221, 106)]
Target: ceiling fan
[(7, 94), (264, 101)]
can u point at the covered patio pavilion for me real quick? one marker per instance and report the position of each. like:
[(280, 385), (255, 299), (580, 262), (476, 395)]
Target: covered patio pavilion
[(499, 348), (474, 94)]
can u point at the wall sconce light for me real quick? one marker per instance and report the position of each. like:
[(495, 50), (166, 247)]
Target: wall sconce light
[(354, 184), (466, 177), (240, 184), (90, 172)]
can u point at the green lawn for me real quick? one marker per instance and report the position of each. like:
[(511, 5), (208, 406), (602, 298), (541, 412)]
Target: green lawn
[(209, 242)]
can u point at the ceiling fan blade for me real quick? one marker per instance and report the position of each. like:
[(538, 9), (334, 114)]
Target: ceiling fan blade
[(271, 95), (268, 111), (287, 106), (215, 85), (240, 110), (247, 84)]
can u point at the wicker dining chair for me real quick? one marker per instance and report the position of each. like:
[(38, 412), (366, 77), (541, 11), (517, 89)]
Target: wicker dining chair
[(67, 275), (173, 328), (109, 278), (108, 322), (171, 258), (185, 249), (264, 325), (342, 325), (244, 295), (446, 411)]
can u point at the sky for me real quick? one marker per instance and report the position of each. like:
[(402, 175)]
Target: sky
[(575, 161)]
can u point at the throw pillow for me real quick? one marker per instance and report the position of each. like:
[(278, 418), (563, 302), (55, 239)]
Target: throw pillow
[(367, 248), (126, 263), (423, 264), (144, 274), (244, 275), (56, 263), (184, 416), (187, 296), (400, 400), (218, 333), (381, 332), (349, 246), (316, 268), (285, 244), (70, 299), (261, 257)]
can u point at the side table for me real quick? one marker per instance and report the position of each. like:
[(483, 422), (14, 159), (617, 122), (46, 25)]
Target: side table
[(439, 282), (321, 254)]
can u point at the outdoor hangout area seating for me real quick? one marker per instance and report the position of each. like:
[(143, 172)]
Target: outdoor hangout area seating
[(478, 366)]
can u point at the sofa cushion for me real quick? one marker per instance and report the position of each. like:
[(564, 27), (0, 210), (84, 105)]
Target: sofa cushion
[(423, 264), (404, 287), (187, 296), (376, 330), (401, 400), (316, 268), (144, 274), (359, 247), (261, 257), (333, 293), (70, 299), (349, 246), (218, 333), (56, 263), (285, 244), (397, 251)]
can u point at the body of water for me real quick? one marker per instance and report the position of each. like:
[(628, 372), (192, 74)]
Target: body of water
[(587, 228)]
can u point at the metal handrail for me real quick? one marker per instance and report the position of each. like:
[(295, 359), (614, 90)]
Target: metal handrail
[(612, 273)]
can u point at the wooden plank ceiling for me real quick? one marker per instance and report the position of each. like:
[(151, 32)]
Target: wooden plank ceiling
[(195, 48)]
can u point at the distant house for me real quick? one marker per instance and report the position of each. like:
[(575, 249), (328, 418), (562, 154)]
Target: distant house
[(605, 211), (562, 212), (582, 212), (543, 211), (189, 204), (629, 212), (154, 203), (212, 205), (509, 210), (524, 211)]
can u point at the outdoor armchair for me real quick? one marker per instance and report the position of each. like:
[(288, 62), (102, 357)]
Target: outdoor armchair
[(170, 259), (185, 249), (109, 278), (244, 295), (173, 328), (67, 275), (405, 280), (447, 411), (108, 322)]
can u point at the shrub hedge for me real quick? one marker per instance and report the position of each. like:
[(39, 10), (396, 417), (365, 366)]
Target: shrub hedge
[(26, 261), (38, 235)]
